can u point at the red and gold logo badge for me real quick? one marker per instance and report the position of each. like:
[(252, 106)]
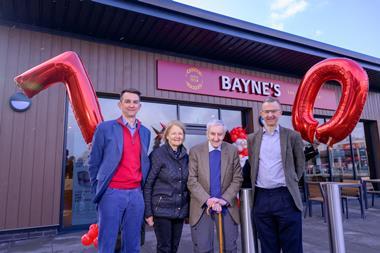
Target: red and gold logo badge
[(194, 78)]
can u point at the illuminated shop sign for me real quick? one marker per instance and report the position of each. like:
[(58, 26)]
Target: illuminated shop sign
[(215, 82)]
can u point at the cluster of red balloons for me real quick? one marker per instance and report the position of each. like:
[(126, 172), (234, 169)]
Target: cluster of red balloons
[(91, 237), (239, 136), (238, 133), (354, 82)]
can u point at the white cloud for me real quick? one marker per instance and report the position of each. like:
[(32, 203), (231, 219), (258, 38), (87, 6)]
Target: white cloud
[(279, 4), (318, 33), (277, 26), (283, 9)]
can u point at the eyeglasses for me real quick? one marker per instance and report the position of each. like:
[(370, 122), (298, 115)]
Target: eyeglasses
[(271, 111)]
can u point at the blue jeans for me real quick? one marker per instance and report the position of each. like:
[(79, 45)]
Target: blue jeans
[(124, 210)]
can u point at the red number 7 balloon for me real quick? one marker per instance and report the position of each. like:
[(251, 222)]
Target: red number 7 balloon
[(66, 68), (354, 82)]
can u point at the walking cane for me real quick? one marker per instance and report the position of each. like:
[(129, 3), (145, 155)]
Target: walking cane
[(220, 221), (220, 226)]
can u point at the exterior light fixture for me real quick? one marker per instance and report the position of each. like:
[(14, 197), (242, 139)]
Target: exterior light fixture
[(19, 102)]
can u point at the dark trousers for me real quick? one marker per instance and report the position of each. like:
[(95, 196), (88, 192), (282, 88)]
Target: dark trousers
[(277, 220), (168, 233), (202, 233)]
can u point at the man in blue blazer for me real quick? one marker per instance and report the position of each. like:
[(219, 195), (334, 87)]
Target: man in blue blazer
[(118, 166)]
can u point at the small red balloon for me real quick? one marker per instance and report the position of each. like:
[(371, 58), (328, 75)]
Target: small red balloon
[(86, 240), (92, 233), (95, 242), (94, 227)]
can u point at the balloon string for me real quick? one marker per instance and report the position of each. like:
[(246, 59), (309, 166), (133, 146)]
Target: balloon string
[(329, 142)]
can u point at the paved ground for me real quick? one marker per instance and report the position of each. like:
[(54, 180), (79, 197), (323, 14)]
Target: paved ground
[(360, 236)]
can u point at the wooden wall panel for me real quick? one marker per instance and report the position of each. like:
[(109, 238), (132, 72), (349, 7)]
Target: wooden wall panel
[(31, 150), (31, 142)]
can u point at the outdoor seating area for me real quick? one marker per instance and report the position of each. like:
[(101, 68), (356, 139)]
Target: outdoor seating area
[(368, 188), (314, 193), (353, 193), (352, 190)]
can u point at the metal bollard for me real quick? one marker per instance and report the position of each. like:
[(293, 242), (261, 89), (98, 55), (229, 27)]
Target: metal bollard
[(334, 217), (247, 239)]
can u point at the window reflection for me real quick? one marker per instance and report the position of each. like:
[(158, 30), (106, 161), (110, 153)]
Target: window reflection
[(197, 115), (109, 108), (192, 140), (286, 121), (341, 160), (317, 168), (153, 114), (231, 118), (360, 151), (78, 206)]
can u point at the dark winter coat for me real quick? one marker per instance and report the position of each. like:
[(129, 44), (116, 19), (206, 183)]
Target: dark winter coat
[(165, 191)]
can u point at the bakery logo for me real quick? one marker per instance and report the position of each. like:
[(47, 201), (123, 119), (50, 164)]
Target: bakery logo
[(194, 78)]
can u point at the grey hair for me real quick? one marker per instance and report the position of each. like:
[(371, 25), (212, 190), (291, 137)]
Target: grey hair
[(272, 100), (216, 122)]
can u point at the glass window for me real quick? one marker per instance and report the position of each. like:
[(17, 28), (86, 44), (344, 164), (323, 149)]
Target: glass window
[(162, 113), (341, 160), (152, 115), (78, 206), (109, 107), (231, 118), (197, 115), (317, 168), (286, 121), (194, 139), (360, 151)]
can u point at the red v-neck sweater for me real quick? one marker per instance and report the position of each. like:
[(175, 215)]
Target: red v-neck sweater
[(128, 174)]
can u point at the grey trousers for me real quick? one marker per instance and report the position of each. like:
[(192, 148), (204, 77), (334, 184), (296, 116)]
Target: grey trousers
[(202, 233)]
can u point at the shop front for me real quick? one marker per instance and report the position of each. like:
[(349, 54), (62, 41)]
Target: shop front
[(190, 65), (329, 165)]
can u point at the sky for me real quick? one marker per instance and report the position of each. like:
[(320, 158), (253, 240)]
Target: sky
[(349, 24)]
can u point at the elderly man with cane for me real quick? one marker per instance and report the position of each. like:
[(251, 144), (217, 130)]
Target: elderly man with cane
[(215, 178)]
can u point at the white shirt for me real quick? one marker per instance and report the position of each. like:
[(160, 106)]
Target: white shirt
[(271, 173)]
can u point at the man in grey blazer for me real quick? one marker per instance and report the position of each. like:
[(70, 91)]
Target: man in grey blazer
[(277, 164), (215, 178)]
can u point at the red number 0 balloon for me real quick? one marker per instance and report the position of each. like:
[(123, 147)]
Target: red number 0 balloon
[(66, 68), (354, 82)]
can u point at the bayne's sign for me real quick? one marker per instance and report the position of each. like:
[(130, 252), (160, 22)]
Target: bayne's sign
[(193, 79)]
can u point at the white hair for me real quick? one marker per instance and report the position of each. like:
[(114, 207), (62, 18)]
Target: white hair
[(216, 122)]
